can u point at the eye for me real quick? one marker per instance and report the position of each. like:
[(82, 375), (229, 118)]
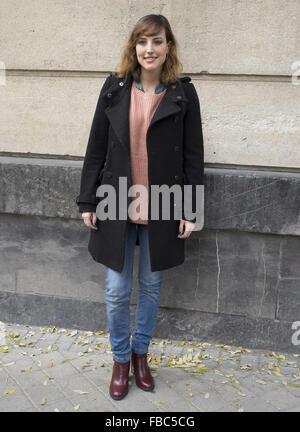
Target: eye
[(158, 42)]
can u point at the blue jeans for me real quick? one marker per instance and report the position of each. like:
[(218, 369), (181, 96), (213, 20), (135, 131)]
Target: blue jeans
[(118, 294)]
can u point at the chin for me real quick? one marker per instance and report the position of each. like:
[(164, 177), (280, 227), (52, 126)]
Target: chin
[(151, 66)]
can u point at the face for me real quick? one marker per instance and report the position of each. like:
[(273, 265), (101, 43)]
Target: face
[(151, 51)]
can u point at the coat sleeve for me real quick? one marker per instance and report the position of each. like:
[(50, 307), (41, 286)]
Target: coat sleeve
[(193, 157), (94, 157)]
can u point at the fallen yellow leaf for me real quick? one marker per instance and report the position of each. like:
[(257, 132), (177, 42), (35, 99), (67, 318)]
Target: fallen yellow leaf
[(293, 385), (10, 391)]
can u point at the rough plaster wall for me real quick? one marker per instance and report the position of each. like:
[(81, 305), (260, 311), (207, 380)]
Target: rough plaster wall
[(239, 53)]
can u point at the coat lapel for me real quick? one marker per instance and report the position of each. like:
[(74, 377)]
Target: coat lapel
[(118, 102)]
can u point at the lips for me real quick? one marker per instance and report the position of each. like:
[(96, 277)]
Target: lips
[(150, 59)]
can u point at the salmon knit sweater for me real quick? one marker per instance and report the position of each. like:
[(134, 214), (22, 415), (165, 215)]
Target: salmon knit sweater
[(142, 108)]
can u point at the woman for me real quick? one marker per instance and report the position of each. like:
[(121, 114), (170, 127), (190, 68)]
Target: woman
[(146, 131)]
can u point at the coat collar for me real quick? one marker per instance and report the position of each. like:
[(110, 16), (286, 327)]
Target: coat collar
[(117, 101)]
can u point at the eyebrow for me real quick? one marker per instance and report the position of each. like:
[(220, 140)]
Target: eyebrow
[(156, 37)]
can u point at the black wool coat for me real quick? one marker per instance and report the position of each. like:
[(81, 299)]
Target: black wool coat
[(175, 156)]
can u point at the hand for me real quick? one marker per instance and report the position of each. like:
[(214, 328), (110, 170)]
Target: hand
[(89, 218), (189, 226)]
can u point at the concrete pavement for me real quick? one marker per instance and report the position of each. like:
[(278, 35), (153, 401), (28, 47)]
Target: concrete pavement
[(58, 370)]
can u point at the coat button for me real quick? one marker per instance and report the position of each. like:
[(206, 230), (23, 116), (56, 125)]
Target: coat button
[(176, 177), (176, 148), (109, 95), (173, 86), (121, 83), (179, 97)]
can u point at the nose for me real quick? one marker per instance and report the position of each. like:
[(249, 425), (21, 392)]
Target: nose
[(149, 47)]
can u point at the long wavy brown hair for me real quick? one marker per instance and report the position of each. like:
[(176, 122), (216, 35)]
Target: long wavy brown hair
[(150, 25)]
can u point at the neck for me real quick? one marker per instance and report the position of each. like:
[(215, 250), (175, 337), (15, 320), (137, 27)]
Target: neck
[(150, 80)]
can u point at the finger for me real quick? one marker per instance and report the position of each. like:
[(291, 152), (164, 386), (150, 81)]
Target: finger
[(94, 220), (189, 226), (88, 222), (186, 234), (181, 229), (90, 225)]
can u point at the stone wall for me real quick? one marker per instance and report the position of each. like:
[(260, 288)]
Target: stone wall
[(239, 283)]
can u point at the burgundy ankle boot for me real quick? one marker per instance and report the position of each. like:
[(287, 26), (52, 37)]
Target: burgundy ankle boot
[(141, 370), (119, 381)]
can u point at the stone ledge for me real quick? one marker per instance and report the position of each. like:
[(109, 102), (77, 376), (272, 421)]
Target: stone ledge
[(243, 200), (196, 326)]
